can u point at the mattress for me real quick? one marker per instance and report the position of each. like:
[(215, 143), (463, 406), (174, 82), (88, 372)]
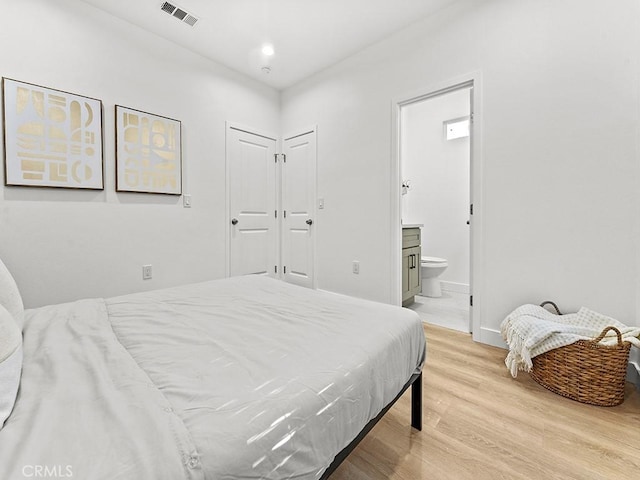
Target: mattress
[(239, 378)]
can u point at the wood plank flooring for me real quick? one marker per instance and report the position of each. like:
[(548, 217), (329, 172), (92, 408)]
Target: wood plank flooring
[(479, 423)]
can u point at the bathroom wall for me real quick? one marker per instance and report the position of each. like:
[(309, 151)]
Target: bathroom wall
[(438, 173)]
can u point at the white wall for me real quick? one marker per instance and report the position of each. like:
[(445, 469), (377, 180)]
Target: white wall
[(63, 244), (438, 172), (559, 150)]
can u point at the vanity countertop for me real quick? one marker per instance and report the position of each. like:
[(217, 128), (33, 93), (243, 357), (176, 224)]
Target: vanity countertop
[(412, 225)]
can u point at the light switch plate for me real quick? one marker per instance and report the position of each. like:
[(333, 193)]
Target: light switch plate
[(147, 272)]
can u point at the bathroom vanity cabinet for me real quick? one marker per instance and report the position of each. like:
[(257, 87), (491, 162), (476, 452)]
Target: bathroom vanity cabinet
[(411, 255)]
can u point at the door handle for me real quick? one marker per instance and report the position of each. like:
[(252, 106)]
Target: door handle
[(234, 221), (309, 222)]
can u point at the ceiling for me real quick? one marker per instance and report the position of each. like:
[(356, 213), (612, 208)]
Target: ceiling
[(307, 35)]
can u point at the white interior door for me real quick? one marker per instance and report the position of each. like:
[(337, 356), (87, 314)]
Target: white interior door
[(298, 204), (251, 170)]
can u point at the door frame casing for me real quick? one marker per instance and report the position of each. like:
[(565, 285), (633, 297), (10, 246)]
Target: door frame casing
[(314, 195), (476, 274), (227, 232)]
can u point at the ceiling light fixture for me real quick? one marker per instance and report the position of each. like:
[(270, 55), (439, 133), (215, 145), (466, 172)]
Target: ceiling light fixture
[(268, 50)]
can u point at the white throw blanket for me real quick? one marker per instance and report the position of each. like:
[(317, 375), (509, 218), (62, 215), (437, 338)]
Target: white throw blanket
[(530, 330)]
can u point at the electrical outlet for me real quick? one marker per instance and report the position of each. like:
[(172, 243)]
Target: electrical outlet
[(356, 267), (186, 200), (147, 272)]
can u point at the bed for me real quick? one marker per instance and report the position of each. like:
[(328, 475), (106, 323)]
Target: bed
[(240, 378)]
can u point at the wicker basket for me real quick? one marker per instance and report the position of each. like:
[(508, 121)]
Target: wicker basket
[(585, 371)]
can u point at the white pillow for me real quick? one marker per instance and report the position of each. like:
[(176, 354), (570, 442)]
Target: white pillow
[(10, 295), (10, 363)]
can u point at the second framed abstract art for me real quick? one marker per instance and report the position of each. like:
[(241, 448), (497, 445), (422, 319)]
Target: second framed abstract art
[(148, 153)]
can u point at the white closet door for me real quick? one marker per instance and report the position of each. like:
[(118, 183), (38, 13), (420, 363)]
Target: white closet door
[(298, 201), (251, 167)]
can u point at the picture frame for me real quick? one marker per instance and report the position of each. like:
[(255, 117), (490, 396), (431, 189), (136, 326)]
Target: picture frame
[(148, 152), (51, 138)]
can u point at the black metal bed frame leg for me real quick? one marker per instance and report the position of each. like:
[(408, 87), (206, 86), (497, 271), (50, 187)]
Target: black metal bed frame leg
[(416, 421), (416, 403)]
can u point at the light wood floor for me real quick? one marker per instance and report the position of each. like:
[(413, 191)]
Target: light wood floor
[(479, 423)]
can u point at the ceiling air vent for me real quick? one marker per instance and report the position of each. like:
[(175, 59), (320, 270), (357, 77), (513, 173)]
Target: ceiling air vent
[(190, 20), (167, 7), (179, 13)]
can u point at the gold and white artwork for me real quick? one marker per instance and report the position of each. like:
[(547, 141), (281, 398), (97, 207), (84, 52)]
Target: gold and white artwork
[(148, 153), (52, 138)]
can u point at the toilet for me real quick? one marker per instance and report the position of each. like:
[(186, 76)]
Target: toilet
[(431, 268)]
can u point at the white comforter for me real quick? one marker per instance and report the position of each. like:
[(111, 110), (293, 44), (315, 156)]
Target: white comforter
[(238, 378)]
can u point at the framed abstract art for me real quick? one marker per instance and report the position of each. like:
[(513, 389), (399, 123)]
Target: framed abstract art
[(51, 138), (148, 152)]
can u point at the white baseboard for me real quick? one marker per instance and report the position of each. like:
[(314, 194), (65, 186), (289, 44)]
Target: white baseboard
[(454, 287), (633, 374), (633, 369), (492, 337)]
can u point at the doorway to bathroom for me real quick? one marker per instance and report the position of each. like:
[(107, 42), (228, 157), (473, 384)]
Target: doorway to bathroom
[(434, 144)]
